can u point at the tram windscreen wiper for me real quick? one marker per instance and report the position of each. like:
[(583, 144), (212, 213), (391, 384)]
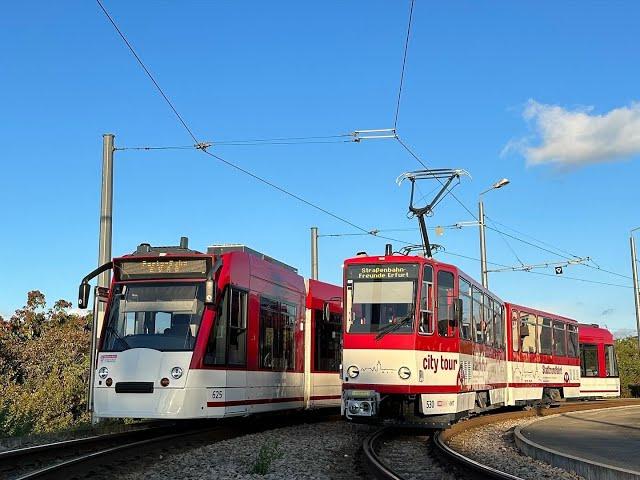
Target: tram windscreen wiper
[(395, 326), (111, 329)]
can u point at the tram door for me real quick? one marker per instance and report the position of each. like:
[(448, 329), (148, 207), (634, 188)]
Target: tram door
[(236, 391)]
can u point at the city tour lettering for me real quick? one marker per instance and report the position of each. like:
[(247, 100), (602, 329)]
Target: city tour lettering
[(431, 362)]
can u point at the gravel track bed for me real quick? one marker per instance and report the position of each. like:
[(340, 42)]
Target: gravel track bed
[(494, 445), (409, 457), (326, 450)]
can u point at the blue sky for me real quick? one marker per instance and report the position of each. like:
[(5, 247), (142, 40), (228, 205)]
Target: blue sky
[(289, 69)]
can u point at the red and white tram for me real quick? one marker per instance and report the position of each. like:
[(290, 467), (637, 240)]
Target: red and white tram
[(424, 343), (598, 366), (228, 333)]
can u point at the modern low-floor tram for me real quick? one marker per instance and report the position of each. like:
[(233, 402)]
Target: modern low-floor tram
[(231, 332)]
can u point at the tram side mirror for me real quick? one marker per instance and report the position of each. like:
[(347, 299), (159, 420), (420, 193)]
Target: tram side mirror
[(524, 329), (83, 295), (326, 314)]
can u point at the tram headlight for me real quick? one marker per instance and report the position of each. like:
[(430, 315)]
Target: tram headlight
[(176, 372), (353, 371), (103, 372), (354, 407)]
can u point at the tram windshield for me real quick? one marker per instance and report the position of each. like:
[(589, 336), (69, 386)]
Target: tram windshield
[(160, 316), (382, 304)]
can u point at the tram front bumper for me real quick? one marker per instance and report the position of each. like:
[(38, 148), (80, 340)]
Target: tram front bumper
[(360, 403)]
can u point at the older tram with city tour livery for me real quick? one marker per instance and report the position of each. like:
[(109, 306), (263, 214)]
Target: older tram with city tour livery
[(598, 365), (232, 332), (425, 344)]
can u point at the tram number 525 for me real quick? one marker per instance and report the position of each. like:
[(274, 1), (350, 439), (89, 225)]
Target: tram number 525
[(217, 394)]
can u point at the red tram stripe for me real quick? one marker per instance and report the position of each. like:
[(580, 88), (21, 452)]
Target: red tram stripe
[(257, 401), (411, 389), (325, 397)]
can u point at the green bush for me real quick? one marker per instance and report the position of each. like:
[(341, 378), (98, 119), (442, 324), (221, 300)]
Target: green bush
[(43, 368), (267, 454)]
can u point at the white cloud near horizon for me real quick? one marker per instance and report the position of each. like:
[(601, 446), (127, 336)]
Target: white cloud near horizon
[(578, 137)]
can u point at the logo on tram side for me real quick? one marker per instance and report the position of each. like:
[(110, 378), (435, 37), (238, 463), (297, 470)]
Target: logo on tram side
[(431, 362)]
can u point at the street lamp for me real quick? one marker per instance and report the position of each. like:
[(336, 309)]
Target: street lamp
[(483, 247), (636, 289)]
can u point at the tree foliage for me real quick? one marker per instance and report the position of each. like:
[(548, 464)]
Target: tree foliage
[(628, 363), (43, 368)]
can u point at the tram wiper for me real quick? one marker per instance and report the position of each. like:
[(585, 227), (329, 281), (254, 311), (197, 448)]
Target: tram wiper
[(118, 336), (395, 326)]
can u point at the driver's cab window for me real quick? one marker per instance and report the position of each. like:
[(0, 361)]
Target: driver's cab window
[(426, 301)]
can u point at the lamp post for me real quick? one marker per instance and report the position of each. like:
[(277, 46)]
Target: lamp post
[(636, 289), (483, 245)]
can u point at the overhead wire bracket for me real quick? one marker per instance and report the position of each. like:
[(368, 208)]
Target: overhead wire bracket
[(374, 134)]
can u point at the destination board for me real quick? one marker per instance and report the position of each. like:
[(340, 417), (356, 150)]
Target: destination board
[(394, 271), (163, 268)]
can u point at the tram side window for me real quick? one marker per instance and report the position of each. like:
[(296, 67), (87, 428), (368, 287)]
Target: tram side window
[(498, 321), (546, 336), (478, 323), (529, 342), (610, 364), (426, 301), (572, 341), (464, 290), (588, 360), (515, 331), (559, 339), (446, 300), (277, 343), (327, 341), (228, 340)]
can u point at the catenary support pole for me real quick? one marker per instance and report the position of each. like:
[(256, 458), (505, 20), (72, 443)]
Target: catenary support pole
[(636, 289), (104, 251), (314, 253), (483, 246)]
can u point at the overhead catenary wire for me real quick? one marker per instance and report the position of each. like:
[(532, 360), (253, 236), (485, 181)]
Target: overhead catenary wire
[(203, 147), (404, 64)]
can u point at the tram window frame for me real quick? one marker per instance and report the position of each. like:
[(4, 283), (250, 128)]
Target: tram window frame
[(426, 302), (593, 348), (478, 316), (324, 343), (487, 310), (609, 360), (515, 331), (546, 334), (219, 344), (572, 341), (466, 305), (498, 324), (277, 322), (449, 299), (558, 326), (531, 320)]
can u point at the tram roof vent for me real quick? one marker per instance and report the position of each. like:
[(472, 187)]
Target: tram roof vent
[(235, 247)]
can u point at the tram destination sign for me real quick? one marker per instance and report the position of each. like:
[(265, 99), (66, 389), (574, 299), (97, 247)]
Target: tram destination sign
[(163, 268), (393, 271)]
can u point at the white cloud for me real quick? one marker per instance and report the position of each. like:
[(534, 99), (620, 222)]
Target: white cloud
[(578, 137)]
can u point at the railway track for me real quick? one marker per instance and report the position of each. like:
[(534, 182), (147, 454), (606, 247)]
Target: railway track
[(109, 455), (439, 458)]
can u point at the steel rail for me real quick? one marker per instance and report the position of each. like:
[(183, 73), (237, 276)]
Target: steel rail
[(377, 467), (63, 444), (59, 467), (485, 471)]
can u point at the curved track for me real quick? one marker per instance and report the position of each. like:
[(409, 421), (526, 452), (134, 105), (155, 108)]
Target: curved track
[(110, 454), (460, 466)]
